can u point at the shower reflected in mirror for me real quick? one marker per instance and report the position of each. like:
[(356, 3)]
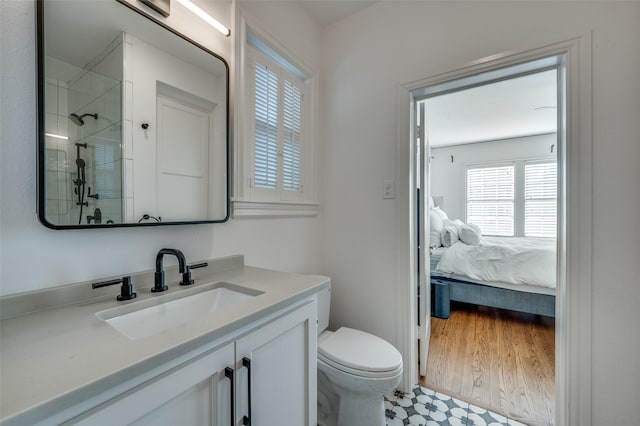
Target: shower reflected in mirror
[(133, 120), (79, 119)]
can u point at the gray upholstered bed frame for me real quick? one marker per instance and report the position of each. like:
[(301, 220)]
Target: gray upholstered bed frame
[(446, 289)]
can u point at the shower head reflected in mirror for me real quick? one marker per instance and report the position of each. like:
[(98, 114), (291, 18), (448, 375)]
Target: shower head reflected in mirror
[(79, 119)]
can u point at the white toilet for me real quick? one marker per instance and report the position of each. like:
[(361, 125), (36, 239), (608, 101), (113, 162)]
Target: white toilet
[(355, 371)]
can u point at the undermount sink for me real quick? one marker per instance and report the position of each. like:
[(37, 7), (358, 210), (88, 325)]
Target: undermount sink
[(151, 316)]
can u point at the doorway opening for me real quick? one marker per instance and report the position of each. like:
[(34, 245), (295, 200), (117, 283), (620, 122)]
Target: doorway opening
[(489, 161)]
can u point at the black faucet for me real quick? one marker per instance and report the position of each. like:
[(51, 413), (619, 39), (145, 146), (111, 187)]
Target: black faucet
[(159, 277)]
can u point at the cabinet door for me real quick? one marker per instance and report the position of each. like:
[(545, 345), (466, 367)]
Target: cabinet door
[(198, 393), (276, 372)]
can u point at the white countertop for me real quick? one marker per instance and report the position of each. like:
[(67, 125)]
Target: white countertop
[(66, 352)]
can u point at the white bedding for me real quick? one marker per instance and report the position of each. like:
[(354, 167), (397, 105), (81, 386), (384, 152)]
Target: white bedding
[(512, 260)]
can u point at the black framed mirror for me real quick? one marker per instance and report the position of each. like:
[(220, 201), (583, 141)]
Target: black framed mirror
[(133, 120)]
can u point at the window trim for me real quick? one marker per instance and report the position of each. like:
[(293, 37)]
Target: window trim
[(246, 201)]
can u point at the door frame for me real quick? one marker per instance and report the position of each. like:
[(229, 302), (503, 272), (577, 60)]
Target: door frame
[(573, 294)]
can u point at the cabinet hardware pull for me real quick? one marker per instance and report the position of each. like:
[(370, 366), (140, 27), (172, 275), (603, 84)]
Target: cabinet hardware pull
[(228, 373), (246, 420)]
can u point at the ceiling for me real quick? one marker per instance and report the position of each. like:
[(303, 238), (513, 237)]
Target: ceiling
[(90, 26), (327, 12), (517, 107)]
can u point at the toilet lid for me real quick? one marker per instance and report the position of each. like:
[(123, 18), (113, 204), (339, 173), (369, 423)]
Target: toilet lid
[(359, 350)]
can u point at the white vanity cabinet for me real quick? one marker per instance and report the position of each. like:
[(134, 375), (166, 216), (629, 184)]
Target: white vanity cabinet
[(197, 393), (276, 372), (271, 369)]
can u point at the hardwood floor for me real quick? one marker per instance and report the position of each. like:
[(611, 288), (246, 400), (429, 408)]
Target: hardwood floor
[(498, 359)]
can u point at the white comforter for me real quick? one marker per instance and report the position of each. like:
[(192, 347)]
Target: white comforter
[(510, 259)]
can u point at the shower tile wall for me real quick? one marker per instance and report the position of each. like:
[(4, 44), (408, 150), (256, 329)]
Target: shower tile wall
[(57, 161), (127, 129), (98, 90)]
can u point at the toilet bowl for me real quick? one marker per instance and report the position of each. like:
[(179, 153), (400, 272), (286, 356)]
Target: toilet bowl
[(355, 371)]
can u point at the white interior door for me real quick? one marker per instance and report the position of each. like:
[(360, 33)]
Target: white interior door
[(184, 133), (424, 275)]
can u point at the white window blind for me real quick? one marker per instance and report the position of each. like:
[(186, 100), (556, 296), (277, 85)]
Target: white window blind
[(540, 187), (275, 147), (490, 199), (265, 169), (105, 185), (291, 144)]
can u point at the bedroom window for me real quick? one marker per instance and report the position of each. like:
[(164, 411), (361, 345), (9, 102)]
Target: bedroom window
[(540, 199), (491, 199), (517, 199)]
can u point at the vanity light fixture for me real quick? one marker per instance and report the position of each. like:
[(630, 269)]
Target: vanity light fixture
[(205, 17), (163, 7), (57, 136)]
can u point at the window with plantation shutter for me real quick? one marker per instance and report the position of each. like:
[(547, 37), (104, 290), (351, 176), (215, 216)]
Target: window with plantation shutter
[(106, 185), (265, 166), (277, 156), (540, 199), (275, 145), (291, 142), (491, 199)]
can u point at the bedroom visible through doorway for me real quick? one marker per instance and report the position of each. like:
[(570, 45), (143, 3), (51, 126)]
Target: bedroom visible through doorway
[(488, 168)]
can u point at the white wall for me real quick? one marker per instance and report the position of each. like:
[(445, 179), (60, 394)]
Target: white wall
[(291, 26), (34, 257), (367, 55), (448, 178)]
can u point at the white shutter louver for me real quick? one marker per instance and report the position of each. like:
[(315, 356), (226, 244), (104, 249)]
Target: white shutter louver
[(105, 185), (540, 187), (490, 199), (265, 168), (291, 145)]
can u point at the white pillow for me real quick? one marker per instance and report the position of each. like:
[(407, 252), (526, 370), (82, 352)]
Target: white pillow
[(449, 234), (435, 223), (476, 227), (441, 212), (469, 235)]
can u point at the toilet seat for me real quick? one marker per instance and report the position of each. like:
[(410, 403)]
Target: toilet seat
[(359, 353)]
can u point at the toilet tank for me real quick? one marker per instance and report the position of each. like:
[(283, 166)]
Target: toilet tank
[(324, 305)]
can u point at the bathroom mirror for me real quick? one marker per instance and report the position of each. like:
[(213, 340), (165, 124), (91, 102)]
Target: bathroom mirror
[(132, 120)]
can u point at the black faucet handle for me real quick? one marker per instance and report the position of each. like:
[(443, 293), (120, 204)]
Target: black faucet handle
[(198, 265), (186, 277), (126, 290), (159, 283)]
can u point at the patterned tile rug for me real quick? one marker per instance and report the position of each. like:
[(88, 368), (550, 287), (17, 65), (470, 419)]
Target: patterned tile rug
[(425, 407)]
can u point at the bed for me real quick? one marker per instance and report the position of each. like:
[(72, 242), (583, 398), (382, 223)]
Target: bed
[(512, 273)]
